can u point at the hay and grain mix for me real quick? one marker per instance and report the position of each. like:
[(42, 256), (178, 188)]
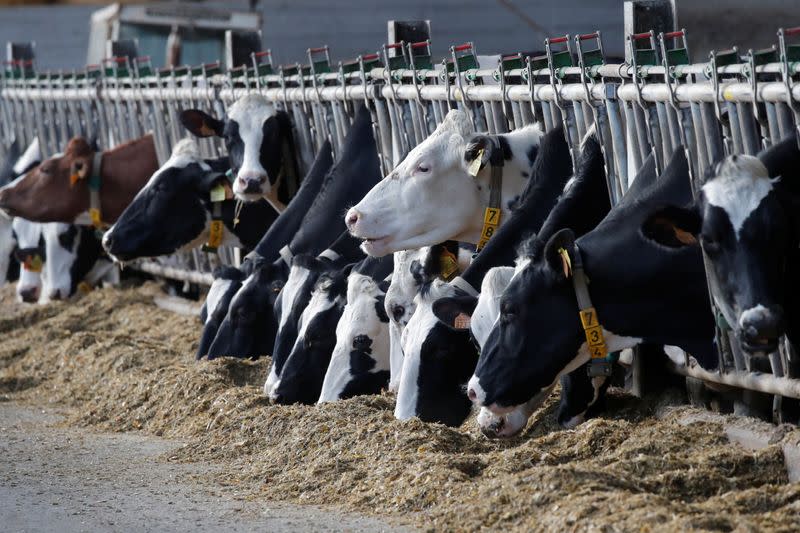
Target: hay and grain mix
[(116, 362)]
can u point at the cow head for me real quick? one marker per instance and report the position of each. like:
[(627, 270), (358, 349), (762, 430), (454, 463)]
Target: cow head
[(438, 357), (61, 243), (249, 327), (439, 191), (744, 230), (30, 253), (227, 282), (254, 135), (302, 376), (360, 360), (170, 213), (59, 177)]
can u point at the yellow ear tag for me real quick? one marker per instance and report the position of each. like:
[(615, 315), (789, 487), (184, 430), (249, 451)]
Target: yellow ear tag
[(475, 165), (94, 215), (566, 262), (218, 193), (33, 263), (215, 232), (448, 265), (84, 287), (73, 179)]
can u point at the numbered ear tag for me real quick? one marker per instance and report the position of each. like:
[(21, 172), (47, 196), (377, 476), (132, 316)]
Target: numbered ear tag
[(94, 215), (73, 179), (462, 321), (218, 193), (475, 165), (33, 263), (215, 233), (566, 264)]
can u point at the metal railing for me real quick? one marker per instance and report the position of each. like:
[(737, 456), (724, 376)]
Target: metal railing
[(733, 103)]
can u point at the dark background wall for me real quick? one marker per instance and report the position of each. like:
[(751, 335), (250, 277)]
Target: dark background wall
[(353, 26)]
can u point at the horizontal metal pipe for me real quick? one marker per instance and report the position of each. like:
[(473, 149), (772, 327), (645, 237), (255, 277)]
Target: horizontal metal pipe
[(192, 276), (755, 381)]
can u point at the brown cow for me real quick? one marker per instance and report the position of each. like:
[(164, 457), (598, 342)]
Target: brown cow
[(58, 190)]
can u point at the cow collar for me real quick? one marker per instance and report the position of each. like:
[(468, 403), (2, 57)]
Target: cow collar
[(601, 362), (491, 215), (94, 182), (216, 232)]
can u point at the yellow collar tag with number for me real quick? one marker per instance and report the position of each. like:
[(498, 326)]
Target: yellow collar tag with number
[(94, 215), (33, 263), (594, 333), (215, 233), (491, 220)]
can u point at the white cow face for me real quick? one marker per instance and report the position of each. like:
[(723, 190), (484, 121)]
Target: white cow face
[(360, 361), (252, 136), (428, 198), (29, 253), (61, 243)]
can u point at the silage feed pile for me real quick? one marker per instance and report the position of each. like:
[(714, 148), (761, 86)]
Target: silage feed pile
[(116, 362)]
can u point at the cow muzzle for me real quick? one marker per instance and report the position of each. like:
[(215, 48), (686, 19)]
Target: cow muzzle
[(760, 328), (251, 183), (29, 295)]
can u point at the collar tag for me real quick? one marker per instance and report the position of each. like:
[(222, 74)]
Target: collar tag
[(475, 165), (215, 233), (594, 333), (491, 220), (94, 215), (217, 193)]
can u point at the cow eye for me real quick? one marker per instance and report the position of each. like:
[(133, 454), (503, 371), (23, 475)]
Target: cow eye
[(508, 313), (397, 312), (422, 168)]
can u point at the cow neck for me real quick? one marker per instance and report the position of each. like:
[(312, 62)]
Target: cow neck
[(122, 172), (600, 362)]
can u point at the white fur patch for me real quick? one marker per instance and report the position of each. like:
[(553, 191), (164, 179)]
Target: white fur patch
[(218, 289), (31, 155), (739, 188)]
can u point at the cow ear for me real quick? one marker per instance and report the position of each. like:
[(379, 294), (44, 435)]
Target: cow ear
[(79, 169), (477, 154), (559, 252), (201, 124), (672, 226), (455, 312)]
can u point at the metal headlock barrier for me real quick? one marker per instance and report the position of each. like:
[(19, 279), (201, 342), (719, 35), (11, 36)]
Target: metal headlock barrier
[(652, 104)]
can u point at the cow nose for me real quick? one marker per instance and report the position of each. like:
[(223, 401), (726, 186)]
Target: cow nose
[(252, 181), (761, 326), (277, 398), (29, 294), (471, 394), (352, 218)]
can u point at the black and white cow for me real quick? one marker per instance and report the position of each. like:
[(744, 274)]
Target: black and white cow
[(745, 219), (318, 336), (31, 255), (406, 210), (266, 253), (74, 255), (173, 211), (414, 269), (642, 290), (15, 165), (438, 357), (296, 295), (352, 176), (260, 145)]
